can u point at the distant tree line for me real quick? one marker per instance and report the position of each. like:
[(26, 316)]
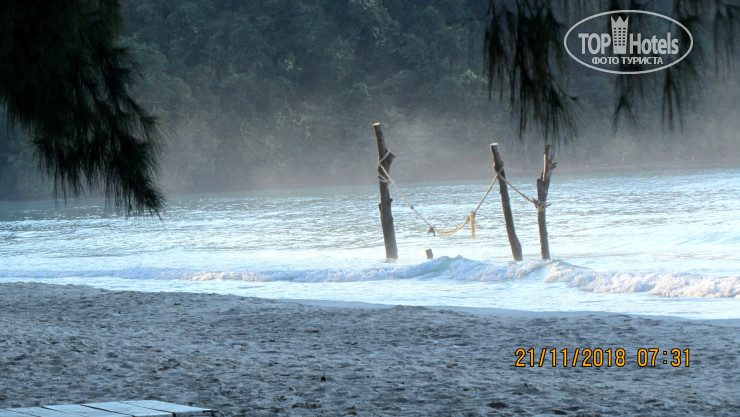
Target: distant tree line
[(284, 92), (280, 92)]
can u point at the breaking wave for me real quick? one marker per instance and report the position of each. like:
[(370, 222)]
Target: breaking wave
[(457, 269)]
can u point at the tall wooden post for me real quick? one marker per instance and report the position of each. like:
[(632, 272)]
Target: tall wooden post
[(498, 166), (543, 185), (385, 158)]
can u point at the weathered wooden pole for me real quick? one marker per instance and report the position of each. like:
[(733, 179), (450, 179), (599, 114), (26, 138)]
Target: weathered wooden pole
[(498, 167), (385, 158), (543, 185)]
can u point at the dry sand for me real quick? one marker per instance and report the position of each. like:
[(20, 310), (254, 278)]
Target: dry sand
[(245, 356)]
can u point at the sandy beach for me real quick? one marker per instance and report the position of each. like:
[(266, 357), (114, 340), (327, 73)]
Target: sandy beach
[(246, 356)]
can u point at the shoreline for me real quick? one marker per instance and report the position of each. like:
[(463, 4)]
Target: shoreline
[(502, 312), (717, 316), (247, 356)]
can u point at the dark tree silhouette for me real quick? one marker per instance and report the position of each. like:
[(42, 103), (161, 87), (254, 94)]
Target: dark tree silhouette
[(65, 82), (526, 62)]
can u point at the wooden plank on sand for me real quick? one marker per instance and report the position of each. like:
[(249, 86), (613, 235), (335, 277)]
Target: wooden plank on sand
[(129, 409), (144, 408), (83, 411), (40, 412), (8, 413), (179, 410)]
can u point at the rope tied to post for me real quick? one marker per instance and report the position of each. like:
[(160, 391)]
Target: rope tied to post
[(385, 177), (537, 203), (540, 205)]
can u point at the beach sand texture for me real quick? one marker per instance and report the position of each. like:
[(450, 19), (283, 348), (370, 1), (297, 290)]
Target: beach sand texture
[(245, 356)]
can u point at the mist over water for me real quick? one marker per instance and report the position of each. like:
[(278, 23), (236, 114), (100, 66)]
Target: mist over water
[(660, 242), (246, 104)]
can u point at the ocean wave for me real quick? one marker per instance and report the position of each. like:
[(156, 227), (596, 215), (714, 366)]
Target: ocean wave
[(455, 269), (664, 284), (443, 268)]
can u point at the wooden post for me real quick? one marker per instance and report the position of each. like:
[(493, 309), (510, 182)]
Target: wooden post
[(543, 185), (386, 218), (498, 166), (430, 255)]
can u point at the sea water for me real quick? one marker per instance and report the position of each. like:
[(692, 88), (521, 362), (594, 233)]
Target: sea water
[(659, 242)]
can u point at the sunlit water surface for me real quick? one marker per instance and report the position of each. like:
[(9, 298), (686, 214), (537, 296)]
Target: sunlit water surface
[(664, 243)]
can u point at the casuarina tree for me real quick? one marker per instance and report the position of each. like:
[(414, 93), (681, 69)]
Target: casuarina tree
[(66, 83), (526, 62)]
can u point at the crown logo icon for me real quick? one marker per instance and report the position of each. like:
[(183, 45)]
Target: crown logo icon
[(619, 35)]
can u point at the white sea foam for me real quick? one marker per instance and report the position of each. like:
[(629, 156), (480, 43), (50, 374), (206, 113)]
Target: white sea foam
[(443, 269), (618, 251), (656, 283)]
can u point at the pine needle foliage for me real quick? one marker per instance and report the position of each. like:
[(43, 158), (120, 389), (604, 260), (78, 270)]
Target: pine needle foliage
[(66, 83), (525, 61)]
